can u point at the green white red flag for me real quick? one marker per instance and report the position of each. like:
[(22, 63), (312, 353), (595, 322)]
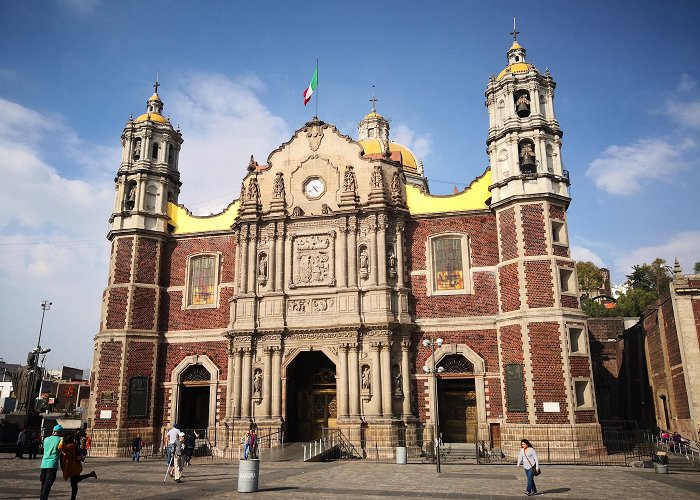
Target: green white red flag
[(311, 88)]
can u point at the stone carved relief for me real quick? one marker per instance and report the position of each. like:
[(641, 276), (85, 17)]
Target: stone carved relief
[(297, 212), (313, 260), (253, 190), (396, 186), (278, 188), (377, 180), (242, 197), (314, 134), (137, 149), (326, 210), (262, 268), (350, 182), (311, 305)]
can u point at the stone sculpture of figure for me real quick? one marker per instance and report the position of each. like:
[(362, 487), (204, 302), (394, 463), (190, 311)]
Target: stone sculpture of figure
[(377, 178), (392, 259), (366, 384), (26, 380), (137, 150), (253, 190), (257, 382), (396, 185), (398, 382), (262, 267), (349, 183), (278, 189), (242, 192), (364, 260)]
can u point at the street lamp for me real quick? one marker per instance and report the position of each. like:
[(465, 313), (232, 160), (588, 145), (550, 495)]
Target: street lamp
[(435, 372), (45, 306)]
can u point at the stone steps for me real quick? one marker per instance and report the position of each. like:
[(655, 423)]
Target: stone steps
[(456, 452)]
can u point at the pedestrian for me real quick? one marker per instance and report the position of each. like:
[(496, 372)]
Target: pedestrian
[(171, 438), (49, 462), (676, 438), (88, 441), (253, 442), (72, 464), (528, 458), (190, 442), (21, 443), (136, 447), (82, 443), (178, 455), (246, 445), (34, 441)]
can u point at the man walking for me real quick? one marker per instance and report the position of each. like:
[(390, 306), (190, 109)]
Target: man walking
[(172, 438), (49, 462), (21, 442), (136, 448)]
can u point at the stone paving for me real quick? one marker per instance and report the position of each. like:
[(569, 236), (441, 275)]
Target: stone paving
[(293, 479)]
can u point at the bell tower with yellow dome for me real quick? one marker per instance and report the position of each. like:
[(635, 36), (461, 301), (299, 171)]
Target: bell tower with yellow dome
[(148, 175)]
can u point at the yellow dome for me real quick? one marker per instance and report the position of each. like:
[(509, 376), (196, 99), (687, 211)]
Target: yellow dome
[(515, 45), (154, 97), (408, 159), (373, 114), (154, 117), (519, 67)]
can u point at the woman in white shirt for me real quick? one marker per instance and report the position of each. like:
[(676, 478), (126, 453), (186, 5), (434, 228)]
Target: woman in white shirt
[(528, 458)]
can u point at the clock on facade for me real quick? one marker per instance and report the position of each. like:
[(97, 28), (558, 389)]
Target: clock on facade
[(314, 188)]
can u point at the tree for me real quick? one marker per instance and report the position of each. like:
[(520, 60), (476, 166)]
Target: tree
[(655, 276), (696, 268), (590, 279), (634, 302)]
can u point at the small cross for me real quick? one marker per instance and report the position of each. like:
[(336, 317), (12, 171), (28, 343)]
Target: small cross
[(514, 32), (156, 85), (373, 100)]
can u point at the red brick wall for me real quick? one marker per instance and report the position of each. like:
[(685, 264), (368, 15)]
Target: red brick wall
[(539, 283), (509, 239), (122, 267), (116, 308), (495, 402), (177, 251), (585, 417), (510, 288), (143, 309), (674, 364), (696, 315), (560, 250), (579, 366), (512, 352), (534, 234), (482, 342), (173, 317), (557, 212), (483, 301), (147, 257), (109, 373), (569, 301), (139, 363), (548, 371)]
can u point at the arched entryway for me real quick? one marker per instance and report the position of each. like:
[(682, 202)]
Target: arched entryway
[(457, 400), (193, 407), (311, 400)]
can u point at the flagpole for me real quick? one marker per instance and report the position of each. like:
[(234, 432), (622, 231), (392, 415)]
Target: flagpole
[(317, 87)]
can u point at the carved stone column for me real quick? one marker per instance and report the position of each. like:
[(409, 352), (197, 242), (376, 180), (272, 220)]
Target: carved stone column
[(341, 269), (373, 250), (352, 253), (271, 273), (277, 382), (385, 356), (342, 377), (252, 258), (243, 277), (376, 401), (237, 382), (229, 382), (399, 255), (381, 248), (279, 252), (246, 382), (354, 381), (267, 383), (405, 378)]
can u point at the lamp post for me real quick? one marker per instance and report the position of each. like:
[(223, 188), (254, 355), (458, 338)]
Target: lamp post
[(435, 371), (45, 306)]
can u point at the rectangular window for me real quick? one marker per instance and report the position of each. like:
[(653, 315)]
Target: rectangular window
[(583, 394), (202, 276), (515, 393), (566, 280), (577, 340), (558, 233), (447, 264)]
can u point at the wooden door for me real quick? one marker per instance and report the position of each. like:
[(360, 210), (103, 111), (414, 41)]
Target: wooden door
[(458, 422)]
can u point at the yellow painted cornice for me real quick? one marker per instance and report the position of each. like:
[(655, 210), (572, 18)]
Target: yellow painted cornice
[(472, 198), (186, 223)]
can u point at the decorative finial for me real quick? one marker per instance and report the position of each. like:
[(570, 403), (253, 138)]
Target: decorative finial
[(156, 85), (515, 33), (373, 100), (677, 270), (252, 164)]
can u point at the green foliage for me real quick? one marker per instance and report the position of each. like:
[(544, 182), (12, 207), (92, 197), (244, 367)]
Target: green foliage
[(635, 301), (696, 268), (590, 279), (596, 310), (655, 276)]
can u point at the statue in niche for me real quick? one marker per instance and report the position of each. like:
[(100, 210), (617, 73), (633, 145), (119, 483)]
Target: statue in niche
[(253, 190), (366, 384), (364, 262), (257, 381), (137, 149), (278, 188), (397, 380), (396, 185), (262, 268), (349, 183), (391, 260), (377, 180)]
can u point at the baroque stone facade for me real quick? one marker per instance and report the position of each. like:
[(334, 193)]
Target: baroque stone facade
[(305, 304)]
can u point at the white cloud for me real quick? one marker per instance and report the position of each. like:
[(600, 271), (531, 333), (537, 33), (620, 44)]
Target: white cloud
[(624, 170), (684, 245), (420, 144), (223, 122), (683, 106), (586, 255)]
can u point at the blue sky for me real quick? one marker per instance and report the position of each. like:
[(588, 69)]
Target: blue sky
[(232, 75)]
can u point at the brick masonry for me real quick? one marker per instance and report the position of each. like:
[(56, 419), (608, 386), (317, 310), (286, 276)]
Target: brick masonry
[(548, 371), (108, 381), (534, 233), (539, 283)]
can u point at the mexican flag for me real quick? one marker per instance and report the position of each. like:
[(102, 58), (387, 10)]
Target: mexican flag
[(311, 88)]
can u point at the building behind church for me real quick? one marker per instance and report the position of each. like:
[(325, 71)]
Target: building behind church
[(317, 298)]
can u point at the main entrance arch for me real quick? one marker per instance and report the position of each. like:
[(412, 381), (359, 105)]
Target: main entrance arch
[(311, 399), (457, 400), (194, 398)]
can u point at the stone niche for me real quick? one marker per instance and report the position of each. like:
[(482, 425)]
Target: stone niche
[(313, 260)]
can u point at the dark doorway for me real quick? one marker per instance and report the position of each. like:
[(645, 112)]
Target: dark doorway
[(193, 407), (457, 409), (311, 396)]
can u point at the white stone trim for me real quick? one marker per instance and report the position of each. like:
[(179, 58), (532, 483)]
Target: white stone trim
[(217, 286), (467, 276), (174, 384)]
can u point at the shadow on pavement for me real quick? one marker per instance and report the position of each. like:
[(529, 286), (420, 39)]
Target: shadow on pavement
[(555, 490)]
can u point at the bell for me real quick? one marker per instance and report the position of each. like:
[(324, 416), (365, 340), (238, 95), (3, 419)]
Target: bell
[(523, 109), (527, 163)]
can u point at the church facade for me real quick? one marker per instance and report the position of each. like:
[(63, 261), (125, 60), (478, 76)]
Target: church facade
[(336, 292)]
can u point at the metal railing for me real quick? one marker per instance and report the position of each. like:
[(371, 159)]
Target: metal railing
[(688, 449), (332, 446)]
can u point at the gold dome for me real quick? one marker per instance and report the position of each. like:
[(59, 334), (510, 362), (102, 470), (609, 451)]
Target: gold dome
[(373, 114), (519, 67), (154, 97), (408, 159), (154, 117)]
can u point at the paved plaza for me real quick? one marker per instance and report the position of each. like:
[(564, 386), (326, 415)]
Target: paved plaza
[(293, 479)]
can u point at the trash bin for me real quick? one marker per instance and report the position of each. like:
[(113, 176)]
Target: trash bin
[(660, 460), (401, 455), (248, 474)]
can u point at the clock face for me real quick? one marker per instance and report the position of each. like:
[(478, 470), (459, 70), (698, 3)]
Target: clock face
[(315, 188)]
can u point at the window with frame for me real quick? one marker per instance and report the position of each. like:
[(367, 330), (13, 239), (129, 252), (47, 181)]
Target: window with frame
[(202, 280), (448, 268), (577, 341), (558, 233), (583, 394), (566, 280)]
